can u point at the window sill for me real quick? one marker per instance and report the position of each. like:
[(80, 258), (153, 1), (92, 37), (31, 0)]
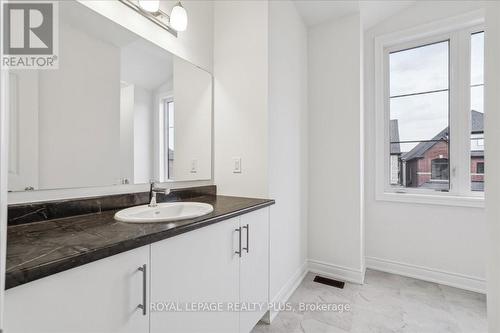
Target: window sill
[(432, 199)]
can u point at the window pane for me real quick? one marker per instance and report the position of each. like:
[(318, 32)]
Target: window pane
[(171, 126), (477, 112), (480, 167), (171, 136), (420, 69), (168, 137), (439, 169), (171, 114), (477, 58), (419, 112), (171, 142), (477, 162), (420, 117), (476, 98)]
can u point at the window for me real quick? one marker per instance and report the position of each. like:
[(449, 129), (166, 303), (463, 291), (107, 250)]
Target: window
[(429, 113), (440, 169), (419, 112), (480, 168), (167, 136)]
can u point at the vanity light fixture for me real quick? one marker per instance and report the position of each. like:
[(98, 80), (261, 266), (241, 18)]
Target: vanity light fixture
[(150, 9), (178, 17), (152, 6)]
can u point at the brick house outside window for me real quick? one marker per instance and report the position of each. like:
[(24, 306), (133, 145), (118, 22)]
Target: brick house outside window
[(426, 165)]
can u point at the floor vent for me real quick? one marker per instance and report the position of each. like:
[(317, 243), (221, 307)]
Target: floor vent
[(329, 282)]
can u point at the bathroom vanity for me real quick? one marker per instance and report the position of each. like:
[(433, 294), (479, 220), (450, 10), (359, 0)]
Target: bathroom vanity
[(91, 273)]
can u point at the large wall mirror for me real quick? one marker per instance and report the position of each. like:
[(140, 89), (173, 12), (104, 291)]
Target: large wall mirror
[(119, 110)]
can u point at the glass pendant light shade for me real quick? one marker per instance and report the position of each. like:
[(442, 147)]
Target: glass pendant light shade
[(178, 18), (151, 6)]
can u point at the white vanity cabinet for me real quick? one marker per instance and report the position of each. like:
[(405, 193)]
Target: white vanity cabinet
[(254, 267), (99, 297), (226, 263), (198, 266), (205, 266)]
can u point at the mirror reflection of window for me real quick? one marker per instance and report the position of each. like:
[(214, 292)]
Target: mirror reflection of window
[(167, 137)]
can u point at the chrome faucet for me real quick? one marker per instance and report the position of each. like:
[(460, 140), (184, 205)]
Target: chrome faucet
[(153, 190)]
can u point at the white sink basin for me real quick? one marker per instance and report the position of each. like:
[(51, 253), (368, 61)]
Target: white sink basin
[(164, 212)]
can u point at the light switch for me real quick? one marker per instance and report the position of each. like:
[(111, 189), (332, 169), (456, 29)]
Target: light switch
[(194, 166), (237, 165)]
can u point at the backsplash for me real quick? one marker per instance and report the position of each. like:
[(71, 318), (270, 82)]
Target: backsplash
[(49, 210)]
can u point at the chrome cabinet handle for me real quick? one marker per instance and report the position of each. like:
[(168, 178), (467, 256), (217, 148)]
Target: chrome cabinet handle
[(248, 237), (239, 242), (144, 287)]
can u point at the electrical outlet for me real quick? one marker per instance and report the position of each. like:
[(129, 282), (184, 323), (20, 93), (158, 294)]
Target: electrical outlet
[(237, 165)]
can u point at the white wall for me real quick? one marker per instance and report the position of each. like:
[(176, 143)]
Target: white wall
[(127, 131), (335, 232), (260, 73), (143, 138), (80, 121), (192, 121), (439, 243), (492, 137), (287, 146), (241, 96), (23, 129)]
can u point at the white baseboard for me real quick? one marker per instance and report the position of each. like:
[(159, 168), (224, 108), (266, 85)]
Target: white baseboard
[(337, 272), (456, 280), (287, 290)]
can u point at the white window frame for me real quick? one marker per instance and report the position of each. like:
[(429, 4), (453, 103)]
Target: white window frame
[(458, 31)]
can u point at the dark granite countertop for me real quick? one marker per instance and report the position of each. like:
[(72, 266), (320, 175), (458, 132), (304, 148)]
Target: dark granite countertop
[(39, 249)]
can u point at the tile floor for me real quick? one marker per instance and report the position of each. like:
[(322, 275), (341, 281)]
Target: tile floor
[(385, 303)]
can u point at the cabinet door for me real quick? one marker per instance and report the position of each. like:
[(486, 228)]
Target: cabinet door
[(197, 267), (254, 271), (99, 297)]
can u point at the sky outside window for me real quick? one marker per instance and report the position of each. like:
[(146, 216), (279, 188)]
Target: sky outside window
[(419, 92)]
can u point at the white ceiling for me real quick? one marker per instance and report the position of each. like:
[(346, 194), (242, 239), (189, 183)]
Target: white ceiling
[(315, 12)]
